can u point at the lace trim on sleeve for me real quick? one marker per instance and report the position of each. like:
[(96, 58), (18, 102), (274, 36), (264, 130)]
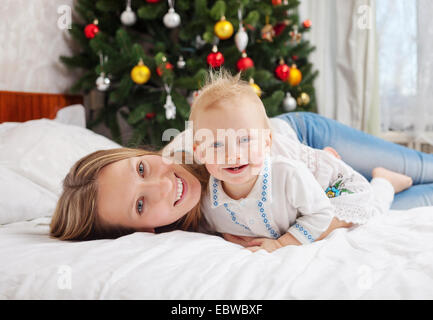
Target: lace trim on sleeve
[(354, 214)]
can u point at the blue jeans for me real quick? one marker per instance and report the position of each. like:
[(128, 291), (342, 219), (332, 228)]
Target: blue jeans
[(363, 152)]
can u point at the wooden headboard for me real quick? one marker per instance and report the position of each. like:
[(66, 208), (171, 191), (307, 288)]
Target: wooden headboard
[(24, 106)]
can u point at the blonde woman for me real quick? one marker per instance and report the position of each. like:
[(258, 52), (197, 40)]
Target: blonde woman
[(111, 193)]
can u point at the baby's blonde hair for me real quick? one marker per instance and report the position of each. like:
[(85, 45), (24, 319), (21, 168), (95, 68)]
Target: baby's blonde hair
[(220, 85)]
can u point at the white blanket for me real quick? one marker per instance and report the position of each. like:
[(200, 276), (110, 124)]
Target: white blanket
[(391, 257)]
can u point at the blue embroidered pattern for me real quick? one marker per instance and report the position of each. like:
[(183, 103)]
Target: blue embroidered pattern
[(260, 204), (304, 231), (232, 213)]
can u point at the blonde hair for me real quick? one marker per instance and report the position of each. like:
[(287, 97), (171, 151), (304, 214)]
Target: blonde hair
[(220, 85), (76, 214)]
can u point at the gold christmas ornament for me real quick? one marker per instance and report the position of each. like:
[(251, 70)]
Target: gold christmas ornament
[(303, 99), (268, 32), (295, 76), (223, 29), (255, 87), (140, 73)]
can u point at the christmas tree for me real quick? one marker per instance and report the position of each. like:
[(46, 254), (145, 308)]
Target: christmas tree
[(152, 56)]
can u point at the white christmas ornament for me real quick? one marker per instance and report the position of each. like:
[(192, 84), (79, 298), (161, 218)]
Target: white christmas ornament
[(102, 82), (171, 19), (241, 39), (199, 42), (128, 17), (289, 103), (170, 108), (181, 63)]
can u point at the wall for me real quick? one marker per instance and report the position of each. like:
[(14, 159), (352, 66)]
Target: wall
[(31, 43)]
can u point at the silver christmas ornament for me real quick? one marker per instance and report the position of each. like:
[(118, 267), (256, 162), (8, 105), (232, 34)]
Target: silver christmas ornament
[(199, 42), (241, 39), (170, 108), (181, 63), (171, 19), (103, 82), (128, 17), (289, 103)]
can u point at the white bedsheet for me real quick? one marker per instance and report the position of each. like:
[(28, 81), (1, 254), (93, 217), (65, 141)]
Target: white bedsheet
[(389, 258)]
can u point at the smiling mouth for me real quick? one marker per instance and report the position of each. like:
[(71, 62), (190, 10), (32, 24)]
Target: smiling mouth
[(180, 190), (236, 170)]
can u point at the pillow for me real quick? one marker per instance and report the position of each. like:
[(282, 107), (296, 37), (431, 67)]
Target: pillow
[(74, 114), (21, 199), (42, 152)]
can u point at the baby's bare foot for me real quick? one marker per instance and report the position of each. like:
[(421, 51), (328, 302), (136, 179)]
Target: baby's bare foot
[(399, 181), (332, 151)]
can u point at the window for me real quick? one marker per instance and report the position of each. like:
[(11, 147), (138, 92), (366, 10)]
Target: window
[(396, 22)]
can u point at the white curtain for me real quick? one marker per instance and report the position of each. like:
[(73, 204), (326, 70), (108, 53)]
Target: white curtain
[(344, 33), (424, 105), (406, 66)]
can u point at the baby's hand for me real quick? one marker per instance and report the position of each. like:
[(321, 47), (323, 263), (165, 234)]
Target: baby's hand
[(264, 243), (252, 243), (332, 151)]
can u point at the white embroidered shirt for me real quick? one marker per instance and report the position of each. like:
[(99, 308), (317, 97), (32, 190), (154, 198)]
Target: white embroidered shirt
[(285, 198)]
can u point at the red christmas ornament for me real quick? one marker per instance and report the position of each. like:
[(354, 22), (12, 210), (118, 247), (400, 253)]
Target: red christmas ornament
[(294, 58), (215, 58), (150, 115), (91, 30), (279, 28), (276, 2), (282, 71), (307, 24), (152, 1), (244, 62), (166, 66)]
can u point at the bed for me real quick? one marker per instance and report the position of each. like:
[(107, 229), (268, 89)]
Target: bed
[(391, 257)]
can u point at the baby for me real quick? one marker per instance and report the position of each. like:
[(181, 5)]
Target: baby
[(273, 187)]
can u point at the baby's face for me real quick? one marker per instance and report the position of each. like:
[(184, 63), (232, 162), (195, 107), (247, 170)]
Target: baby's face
[(231, 139)]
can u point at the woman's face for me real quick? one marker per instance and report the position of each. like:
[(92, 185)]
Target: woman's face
[(145, 192)]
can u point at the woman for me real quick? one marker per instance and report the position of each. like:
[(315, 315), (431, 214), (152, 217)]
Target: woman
[(115, 192), (363, 152), (110, 193)]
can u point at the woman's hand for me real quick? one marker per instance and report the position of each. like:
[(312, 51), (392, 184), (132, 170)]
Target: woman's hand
[(241, 240), (254, 244), (265, 243)]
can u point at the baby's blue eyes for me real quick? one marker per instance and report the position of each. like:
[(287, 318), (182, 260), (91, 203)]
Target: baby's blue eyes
[(220, 144), (244, 139)]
